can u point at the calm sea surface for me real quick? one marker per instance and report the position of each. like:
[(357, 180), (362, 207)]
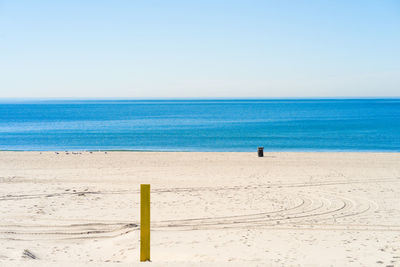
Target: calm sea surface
[(201, 125)]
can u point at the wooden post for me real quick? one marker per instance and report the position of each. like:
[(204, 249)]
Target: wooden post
[(144, 222)]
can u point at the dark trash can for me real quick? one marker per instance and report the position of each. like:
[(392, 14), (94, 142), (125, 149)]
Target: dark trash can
[(260, 151)]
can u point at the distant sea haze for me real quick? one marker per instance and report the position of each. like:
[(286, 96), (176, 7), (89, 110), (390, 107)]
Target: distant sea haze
[(202, 125)]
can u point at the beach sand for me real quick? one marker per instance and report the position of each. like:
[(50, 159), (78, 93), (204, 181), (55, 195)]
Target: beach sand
[(208, 209)]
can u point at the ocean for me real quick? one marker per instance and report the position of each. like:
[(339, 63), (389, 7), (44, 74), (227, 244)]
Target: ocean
[(201, 125)]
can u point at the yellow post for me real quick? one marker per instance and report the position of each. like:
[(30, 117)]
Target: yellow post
[(144, 222)]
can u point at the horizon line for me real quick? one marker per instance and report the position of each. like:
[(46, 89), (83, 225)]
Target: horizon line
[(196, 98)]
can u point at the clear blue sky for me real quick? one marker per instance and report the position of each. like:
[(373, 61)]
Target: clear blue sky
[(199, 48)]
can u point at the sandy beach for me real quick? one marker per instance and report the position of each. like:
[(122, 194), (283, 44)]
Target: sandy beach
[(208, 209)]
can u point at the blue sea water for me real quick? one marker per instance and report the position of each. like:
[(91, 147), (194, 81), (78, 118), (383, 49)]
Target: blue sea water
[(201, 125)]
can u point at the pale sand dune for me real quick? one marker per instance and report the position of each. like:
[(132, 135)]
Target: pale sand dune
[(208, 209)]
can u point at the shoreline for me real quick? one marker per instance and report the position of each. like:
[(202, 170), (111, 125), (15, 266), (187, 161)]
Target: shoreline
[(192, 151)]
